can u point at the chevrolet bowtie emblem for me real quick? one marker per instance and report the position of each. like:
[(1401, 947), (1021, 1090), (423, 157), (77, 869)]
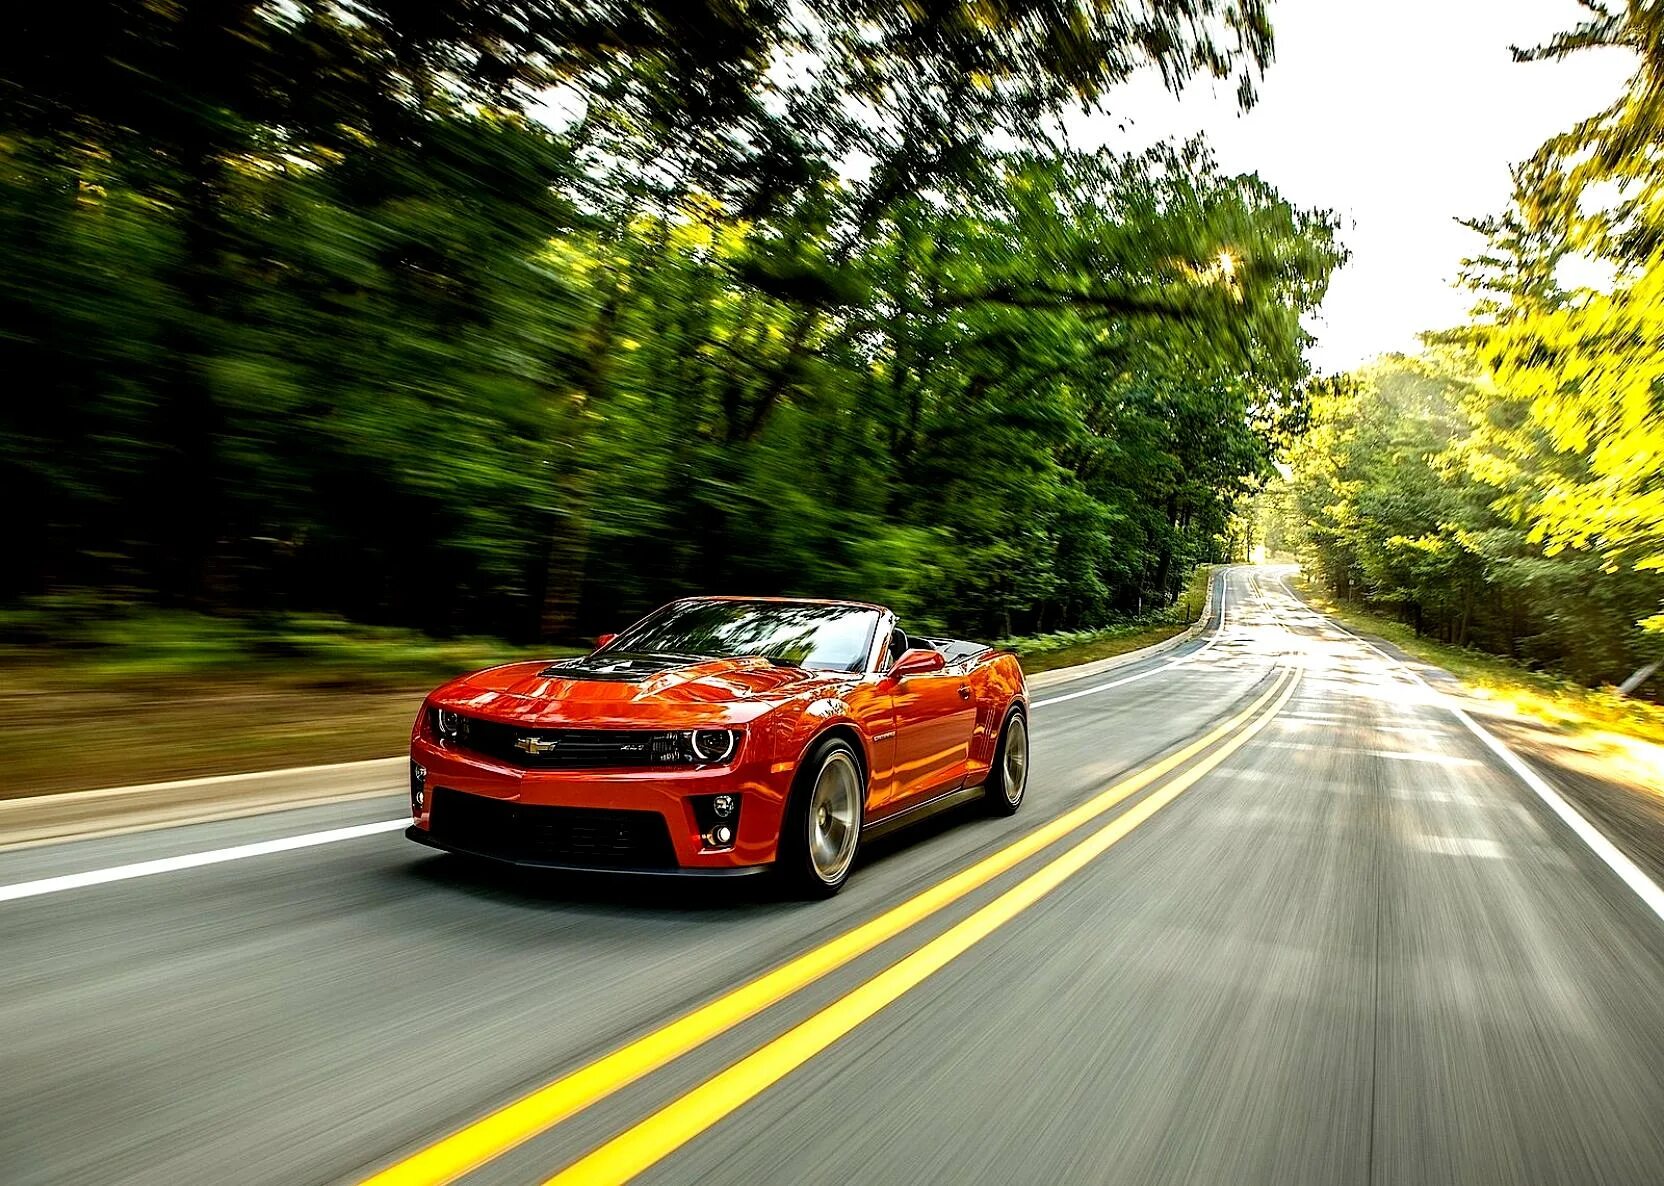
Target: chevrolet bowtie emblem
[(536, 745)]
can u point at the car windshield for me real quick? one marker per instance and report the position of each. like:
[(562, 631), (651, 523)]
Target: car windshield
[(824, 637)]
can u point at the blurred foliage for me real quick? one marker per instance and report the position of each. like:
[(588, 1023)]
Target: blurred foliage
[(1507, 489), (1068, 648), (520, 318), (1395, 498)]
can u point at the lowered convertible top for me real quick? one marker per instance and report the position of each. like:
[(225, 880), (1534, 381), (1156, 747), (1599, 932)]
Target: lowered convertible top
[(957, 650)]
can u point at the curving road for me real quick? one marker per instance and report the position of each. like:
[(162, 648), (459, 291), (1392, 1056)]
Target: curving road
[(1272, 914)]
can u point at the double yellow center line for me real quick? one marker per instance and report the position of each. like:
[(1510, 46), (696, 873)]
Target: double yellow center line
[(640, 1146)]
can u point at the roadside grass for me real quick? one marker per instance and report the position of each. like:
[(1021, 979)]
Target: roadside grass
[(95, 699), (1561, 703), (73, 642), (1047, 652)]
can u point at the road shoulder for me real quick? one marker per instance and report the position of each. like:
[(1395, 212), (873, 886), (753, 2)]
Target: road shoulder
[(1615, 781)]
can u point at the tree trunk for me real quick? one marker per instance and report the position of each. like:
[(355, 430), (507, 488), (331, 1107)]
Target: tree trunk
[(802, 328), (563, 581), (1461, 639)]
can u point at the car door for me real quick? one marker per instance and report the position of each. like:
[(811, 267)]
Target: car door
[(934, 716)]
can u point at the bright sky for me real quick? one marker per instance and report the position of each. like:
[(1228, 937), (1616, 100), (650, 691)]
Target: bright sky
[(1401, 117)]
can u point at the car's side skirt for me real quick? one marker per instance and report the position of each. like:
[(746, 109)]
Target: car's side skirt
[(915, 812)]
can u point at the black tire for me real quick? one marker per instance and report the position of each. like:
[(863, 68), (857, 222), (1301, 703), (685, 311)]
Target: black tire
[(1000, 796), (807, 864)]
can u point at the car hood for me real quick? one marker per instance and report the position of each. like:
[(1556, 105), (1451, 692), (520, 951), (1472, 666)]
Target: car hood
[(583, 692)]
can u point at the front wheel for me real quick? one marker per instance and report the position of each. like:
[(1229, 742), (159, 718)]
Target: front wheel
[(823, 820), (1008, 779)]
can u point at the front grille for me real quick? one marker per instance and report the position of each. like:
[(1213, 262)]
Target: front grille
[(551, 835), (566, 749)]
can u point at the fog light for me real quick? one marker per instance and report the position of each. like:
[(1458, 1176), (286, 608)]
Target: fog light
[(418, 787), (717, 818)]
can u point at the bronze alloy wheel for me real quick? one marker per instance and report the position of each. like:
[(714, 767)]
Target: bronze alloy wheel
[(822, 831), (1008, 780)]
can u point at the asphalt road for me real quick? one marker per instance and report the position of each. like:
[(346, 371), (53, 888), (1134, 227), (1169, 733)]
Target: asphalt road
[(1342, 942)]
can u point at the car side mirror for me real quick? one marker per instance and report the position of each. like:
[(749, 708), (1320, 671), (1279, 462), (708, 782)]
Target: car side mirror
[(604, 640), (918, 661)]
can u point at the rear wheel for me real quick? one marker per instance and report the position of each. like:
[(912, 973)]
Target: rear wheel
[(1008, 779), (822, 829)]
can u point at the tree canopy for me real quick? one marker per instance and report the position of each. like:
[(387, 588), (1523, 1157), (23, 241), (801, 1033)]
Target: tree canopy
[(523, 317)]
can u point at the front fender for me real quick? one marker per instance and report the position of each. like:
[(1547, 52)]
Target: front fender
[(825, 715)]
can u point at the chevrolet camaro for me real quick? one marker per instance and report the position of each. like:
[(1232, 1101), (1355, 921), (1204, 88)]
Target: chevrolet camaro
[(720, 736)]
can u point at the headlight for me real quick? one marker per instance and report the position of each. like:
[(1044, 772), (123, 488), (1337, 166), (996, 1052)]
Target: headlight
[(449, 725), (695, 747), (714, 745)]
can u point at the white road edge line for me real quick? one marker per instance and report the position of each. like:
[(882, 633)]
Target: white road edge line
[(192, 860), (1224, 588), (1627, 870)]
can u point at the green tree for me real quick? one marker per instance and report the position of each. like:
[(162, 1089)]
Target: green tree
[(800, 299)]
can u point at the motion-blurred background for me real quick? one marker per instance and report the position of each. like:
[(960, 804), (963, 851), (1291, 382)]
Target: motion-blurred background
[(519, 318), (348, 343)]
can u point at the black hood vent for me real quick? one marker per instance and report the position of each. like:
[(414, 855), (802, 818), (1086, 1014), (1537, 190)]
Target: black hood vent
[(614, 668)]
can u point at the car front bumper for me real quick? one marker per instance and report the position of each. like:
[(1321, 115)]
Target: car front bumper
[(621, 821)]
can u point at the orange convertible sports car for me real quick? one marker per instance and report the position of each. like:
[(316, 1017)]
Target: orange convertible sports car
[(720, 735)]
